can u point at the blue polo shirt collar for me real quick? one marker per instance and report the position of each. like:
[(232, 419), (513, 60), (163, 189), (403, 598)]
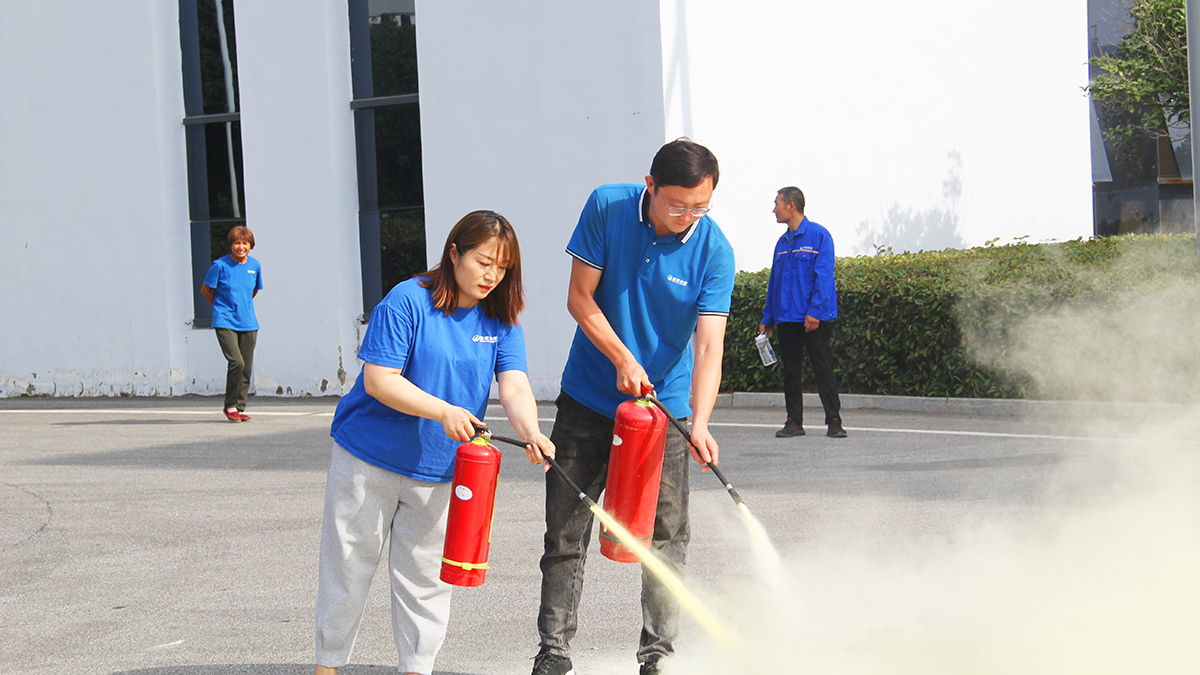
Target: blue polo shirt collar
[(644, 212)]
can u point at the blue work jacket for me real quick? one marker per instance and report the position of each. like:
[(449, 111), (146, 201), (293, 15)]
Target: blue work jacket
[(801, 282)]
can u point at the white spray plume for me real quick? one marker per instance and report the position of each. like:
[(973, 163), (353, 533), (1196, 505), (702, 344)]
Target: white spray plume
[(1100, 576)]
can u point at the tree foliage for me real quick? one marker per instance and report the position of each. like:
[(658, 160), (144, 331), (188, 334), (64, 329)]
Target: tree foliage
[(1144, 83)]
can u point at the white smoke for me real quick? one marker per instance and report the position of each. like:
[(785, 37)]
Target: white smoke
[(1099, 575), (1136, 337), (1105, 580)]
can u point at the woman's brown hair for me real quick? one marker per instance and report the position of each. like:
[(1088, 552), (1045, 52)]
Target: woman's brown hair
[(240, 233), (507, 299)]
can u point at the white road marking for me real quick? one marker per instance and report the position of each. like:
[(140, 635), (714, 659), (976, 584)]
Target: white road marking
[(276, 413), (944, 432)]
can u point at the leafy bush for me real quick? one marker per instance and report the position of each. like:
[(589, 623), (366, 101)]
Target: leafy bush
[(952, 323)]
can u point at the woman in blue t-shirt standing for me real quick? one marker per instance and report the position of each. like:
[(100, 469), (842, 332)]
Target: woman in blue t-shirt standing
[(230, 285), (431, 351)]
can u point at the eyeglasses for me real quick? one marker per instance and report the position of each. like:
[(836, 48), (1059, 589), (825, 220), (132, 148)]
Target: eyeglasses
[(677, 211)]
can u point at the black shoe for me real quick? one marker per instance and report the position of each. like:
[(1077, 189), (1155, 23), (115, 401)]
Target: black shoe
[(790, 429), (650, 667), (835, 429), (546, 663)]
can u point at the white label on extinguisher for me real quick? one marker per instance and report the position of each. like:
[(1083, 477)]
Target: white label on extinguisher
[(617, 440), (463, 492)]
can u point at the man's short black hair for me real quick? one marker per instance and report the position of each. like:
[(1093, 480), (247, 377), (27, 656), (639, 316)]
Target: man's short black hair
[(794, 196), (684, 163)]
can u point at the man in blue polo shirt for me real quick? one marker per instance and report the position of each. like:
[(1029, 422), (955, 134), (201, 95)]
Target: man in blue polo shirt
[(801, 301), (650, 270)]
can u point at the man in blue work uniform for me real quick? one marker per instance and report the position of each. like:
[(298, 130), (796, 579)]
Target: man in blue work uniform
[(801, 301), (650, 271)]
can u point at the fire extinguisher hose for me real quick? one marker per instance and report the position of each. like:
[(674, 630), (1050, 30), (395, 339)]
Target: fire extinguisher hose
[(729, 640), (737, 499), (521, 444)]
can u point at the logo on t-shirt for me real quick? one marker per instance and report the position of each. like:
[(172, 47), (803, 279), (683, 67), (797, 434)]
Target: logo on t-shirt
[(484, 338), (676, 280)]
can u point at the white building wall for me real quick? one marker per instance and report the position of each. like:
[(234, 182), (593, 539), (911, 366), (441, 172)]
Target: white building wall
[(525, 108), (301, 198), (94, 267)]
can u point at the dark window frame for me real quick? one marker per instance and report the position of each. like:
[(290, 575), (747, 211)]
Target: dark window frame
[(363, 105), (195, 122)]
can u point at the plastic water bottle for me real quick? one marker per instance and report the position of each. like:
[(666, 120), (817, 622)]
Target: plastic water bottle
[(764, 349)]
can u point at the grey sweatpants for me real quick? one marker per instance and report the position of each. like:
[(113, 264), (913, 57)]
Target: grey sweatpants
[(363, 504)]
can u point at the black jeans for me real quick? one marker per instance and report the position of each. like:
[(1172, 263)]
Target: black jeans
[(583, 441), (238, 348), (793, 342)]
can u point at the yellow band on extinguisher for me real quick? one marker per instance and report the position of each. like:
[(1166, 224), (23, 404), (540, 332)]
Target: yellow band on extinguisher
[(466, 565)]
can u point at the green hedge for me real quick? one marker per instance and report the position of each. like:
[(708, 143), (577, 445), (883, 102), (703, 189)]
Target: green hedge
[(942, 323)]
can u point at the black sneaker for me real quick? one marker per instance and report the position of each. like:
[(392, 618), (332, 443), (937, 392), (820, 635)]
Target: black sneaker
[(650, 667), (547, 663), (835, 429), (790, 429)]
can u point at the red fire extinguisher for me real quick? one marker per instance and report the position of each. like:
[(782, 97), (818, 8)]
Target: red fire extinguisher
[(469, 524), (634, 472)]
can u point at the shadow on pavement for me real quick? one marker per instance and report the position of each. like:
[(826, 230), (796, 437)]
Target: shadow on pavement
[(267, 669), (300, 450)]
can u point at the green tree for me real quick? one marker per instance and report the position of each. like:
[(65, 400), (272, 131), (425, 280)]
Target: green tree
[(1143, 86)]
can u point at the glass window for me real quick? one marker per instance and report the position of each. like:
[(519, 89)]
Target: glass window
[(398, 155), (393, 48), (218, 56), (387, 121), (223, 169), (216, 193), (214, 135)]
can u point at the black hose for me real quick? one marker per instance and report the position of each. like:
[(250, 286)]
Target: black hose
[(521, 444), (737, 499)]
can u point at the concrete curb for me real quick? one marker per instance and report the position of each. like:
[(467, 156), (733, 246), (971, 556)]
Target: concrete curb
[(971, 406)]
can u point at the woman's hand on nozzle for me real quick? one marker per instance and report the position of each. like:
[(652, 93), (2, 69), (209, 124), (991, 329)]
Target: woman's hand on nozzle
[(539, 449)]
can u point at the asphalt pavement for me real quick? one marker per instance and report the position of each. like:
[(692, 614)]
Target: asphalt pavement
[(153, 537)]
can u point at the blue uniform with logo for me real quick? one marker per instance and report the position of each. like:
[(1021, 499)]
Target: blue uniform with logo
[(233, 287), (652, 291), (801, 280), (453, 357), (802, 284)]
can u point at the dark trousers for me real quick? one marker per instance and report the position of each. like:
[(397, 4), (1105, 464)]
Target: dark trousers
[(793, 342), (238, 348), (583, 440)]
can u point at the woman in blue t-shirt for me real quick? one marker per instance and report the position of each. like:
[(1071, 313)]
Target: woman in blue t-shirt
[(230, 285), (431, 350)]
